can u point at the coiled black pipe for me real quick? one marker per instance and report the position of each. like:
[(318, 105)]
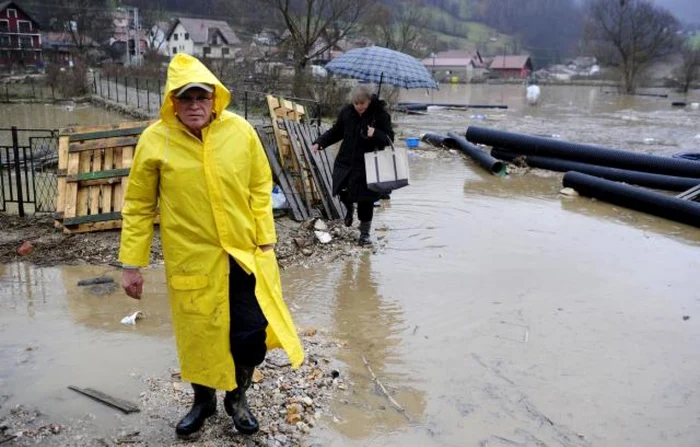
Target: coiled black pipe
[(434, 139), (483, 158), (639, 199), (658, 181), (548, 147)]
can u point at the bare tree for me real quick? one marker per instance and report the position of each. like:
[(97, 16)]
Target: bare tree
[(400, 29), (313, 27), (87, 22), (631, 35), (689, 71)]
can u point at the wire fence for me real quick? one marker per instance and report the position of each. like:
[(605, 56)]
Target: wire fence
[(147, 95), (30, 89)]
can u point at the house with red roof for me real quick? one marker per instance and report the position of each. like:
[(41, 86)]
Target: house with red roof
[(511, 67)]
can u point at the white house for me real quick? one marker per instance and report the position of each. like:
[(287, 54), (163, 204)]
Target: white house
[(456, 66), (202, 38)]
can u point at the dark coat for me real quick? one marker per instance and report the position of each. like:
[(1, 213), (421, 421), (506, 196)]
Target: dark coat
[(349, 168)]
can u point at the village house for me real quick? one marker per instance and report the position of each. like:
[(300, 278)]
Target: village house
[(456, 66), (20, 37), (511, 67), (203, 38)]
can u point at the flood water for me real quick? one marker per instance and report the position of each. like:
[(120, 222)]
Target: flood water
[(496, 311)]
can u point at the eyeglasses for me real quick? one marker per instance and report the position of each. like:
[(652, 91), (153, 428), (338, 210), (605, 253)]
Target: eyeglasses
[(187, 100)]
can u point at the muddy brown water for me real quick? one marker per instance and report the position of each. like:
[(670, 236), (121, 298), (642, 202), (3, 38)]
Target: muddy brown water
[(496, 311)]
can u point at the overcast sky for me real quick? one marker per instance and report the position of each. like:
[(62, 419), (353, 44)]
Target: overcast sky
[(684, 10)]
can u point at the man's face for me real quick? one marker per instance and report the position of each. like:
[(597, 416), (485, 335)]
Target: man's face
[(194, 108)]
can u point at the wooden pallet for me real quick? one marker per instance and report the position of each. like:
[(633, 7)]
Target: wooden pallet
[(282, 177), (300, 137), (93, 169)]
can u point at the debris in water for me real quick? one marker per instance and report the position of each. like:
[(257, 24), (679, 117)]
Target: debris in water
[(97, 280), (131, 319)]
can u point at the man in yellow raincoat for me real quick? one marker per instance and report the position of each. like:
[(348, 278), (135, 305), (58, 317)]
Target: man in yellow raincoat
[(204, 170)]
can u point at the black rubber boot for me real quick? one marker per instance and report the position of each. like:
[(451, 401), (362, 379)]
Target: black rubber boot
[(204, 406), (350, 209), (236, 404), (364, 234)]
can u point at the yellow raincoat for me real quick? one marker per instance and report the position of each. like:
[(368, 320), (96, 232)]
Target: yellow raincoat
[(214, 198)]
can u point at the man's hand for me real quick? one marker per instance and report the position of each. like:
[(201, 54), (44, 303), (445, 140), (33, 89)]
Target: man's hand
[(370, 131), (315, 147), (132, 282), (267, 247)]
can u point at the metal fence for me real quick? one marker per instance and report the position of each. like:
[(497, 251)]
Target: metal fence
[(28, 167), (30, 89), (147, 95)]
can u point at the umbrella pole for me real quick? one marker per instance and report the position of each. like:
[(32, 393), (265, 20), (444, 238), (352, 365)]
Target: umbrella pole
[(379, 89)]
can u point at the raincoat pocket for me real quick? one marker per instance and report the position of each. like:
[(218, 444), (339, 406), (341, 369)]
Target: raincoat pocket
[(192, 294)]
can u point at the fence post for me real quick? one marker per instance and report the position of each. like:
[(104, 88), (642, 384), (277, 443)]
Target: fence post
[(7, 91), (245, 104), (109, 89), (18, 172), (94, 81), (116, 86), (148, 94), (138, 103), (160, 96), (31, 81)]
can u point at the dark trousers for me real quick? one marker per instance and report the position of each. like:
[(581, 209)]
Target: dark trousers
[(248, 323), (365, 208)]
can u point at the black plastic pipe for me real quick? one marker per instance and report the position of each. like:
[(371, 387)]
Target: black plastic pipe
[(483, 158), (639, 199), (585, 153), (434, 139), (658, 181)]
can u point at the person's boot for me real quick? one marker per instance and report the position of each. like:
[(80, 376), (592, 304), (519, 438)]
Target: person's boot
[(350, 209), (364, 233), (236, 404), (204, 406)]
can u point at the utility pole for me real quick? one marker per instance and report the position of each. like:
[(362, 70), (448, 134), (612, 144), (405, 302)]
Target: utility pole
[(137, 40)]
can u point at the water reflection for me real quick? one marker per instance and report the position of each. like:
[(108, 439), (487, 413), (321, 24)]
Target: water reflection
[(371, 326)]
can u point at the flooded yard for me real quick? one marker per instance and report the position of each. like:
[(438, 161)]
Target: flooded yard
[(496, 312)]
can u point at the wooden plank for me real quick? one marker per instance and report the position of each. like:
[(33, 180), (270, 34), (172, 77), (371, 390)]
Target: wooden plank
[(98, 226), (70, 208), (82, 200), (120, 404), (304, 179), (295, 203), (102, 134), (117, 190), (102, 127), (97, 175), (95, 190), (107, 188), (299, 140), (62, 166), (325, 177), (91, 218), (89, 145)]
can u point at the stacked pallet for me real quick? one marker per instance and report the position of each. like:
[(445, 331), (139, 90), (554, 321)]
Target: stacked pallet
[(304, 176), (93, 166)]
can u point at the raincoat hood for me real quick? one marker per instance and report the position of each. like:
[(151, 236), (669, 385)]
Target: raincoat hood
[(184, 69)]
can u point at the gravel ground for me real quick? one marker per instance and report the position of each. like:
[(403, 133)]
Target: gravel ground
[(287, 402), (297, 243)]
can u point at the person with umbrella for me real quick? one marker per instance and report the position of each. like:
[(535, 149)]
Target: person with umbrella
[(363, 126)]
